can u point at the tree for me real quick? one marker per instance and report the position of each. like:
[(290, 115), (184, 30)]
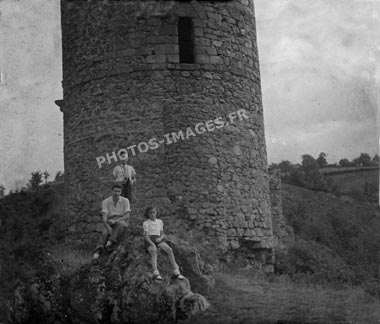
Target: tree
[(308, 163), (321, 160), (273, 166), (46, 176), (363, 160), (344, 163), (297, 178), (285, 166), (375, 160), (59, 176), (313, 178), (35, 180), (2, 191)]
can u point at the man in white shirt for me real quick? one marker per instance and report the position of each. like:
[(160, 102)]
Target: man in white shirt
[(115, 216), (125, 175)]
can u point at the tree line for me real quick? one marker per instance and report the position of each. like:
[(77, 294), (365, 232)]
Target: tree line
[(307, 174), (37, 180), (363, 160)]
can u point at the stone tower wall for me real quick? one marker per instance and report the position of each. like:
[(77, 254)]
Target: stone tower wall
[(123, 85), (283, 234)]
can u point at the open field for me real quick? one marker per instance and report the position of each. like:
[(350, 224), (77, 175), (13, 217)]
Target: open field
[(244, 297)]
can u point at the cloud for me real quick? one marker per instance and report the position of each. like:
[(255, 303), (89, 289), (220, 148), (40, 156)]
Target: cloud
[(30, 122), (319, 66)]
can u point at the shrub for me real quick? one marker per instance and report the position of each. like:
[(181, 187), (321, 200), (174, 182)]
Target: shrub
[(372, 287), (313, 262), (26, 228)]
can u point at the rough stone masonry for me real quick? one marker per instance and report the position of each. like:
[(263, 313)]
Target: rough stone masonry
[(133, 70)]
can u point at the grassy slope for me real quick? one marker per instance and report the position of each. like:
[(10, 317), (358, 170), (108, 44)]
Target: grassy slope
[(357, 183), (349, 228), (336, 234), (245, 297)]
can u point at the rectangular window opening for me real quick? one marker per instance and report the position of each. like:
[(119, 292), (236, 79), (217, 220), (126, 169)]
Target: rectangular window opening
[(185, 40)]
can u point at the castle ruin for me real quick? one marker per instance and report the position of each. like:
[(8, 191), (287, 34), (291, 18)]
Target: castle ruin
[(143, 69)]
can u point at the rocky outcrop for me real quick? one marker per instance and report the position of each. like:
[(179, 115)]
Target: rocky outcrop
[(120, 289)]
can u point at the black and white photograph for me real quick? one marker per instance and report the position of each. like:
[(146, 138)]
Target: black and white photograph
[(189, 161)]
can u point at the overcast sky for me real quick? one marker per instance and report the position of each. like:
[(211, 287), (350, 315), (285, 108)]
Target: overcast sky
[(319, 66)]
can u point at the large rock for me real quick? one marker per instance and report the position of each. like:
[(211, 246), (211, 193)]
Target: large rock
[(120, 289)]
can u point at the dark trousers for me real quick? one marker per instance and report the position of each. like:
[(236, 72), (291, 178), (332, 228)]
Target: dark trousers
[(127, 190), (117, 232)]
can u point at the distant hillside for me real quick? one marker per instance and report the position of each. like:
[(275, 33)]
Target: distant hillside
[(341, 233), (362, 184)]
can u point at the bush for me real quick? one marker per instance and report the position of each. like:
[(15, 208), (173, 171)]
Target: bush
[(296, 178), (26, 228), (372, 287), (312, 262)]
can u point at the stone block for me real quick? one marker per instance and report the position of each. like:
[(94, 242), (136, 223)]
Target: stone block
[(247, 233), (203, 59), (217, 43), (234, 244), (211, 211), (203, 42), (216, 59), (172, 58), (240, 216), (211, 51), (231, 232), (156, 58), (213, 160), (198, 32)]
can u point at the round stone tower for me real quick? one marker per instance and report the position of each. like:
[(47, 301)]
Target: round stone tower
[(176, 84)]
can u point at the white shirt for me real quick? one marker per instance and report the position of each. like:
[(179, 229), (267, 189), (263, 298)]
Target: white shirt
[(122, 172), (119, 209), (153, 228)]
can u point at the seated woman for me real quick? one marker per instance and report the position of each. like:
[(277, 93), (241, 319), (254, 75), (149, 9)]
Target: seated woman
[(155, 238)]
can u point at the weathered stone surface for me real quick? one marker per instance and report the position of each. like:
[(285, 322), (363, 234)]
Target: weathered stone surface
[(283, 234), (120, 289), (123, 85)]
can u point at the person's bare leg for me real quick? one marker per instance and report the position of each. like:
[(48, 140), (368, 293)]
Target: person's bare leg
[(153, 254), (169, 252)]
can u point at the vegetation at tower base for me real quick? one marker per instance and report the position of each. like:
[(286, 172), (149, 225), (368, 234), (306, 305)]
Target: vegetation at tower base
[(118, 290), (328, 275)]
